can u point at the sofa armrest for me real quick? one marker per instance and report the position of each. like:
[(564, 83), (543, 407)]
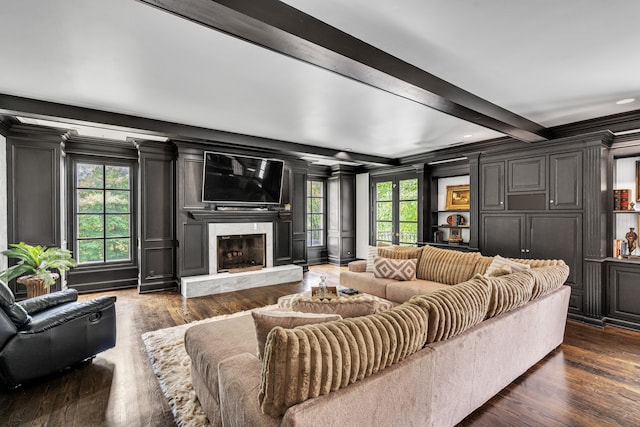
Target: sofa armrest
[(43, 302), (239, 383), (65, 313), (359, 266)]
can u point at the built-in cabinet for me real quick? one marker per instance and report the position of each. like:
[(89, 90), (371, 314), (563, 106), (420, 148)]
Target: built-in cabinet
[(546, 201), (538, 182), (535, 236), (623, 291)]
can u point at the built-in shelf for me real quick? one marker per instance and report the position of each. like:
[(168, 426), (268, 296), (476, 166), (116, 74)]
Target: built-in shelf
[(449, 226), (626, 212), (456, 211)]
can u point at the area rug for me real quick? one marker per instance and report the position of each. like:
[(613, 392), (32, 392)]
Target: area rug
[(171, 364)]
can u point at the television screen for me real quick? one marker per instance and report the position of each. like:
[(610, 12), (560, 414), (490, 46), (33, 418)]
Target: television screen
[(236, 179)]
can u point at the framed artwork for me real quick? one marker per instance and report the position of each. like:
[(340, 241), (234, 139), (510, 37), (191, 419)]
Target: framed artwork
[(458, 197), (637, 181)]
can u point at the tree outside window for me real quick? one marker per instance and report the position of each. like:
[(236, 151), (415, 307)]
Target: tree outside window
[(103, 213), (315, 213)]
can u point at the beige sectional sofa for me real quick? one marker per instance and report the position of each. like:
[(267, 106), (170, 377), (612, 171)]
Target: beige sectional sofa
[(436, 269), (429, 361)]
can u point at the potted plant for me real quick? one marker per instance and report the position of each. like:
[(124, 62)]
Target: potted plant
[(36, 265)]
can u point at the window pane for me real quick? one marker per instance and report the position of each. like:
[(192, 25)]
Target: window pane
[(384, 211), (408, 232), (117, 225), (316, 206), (117, 177), (409, 189), (89, 176), (117, 201), (316, 222), (409, 211), (90, 250), (90, 201), (316, 189), (384, 231), (117, 249), (90, 226), (316, 237), (309, 238), (384, 191)]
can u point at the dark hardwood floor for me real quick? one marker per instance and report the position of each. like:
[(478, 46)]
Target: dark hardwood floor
[(593, 379)]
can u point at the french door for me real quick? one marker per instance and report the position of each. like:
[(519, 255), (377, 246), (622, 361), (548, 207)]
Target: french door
[(396, 209)]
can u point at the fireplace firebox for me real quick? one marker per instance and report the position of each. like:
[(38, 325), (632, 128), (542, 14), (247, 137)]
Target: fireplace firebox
[(240, 252)]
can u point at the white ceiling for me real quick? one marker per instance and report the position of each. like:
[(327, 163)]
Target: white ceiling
[(549, 61)]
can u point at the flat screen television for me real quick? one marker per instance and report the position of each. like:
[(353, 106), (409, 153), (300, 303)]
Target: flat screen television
[(232, 179)]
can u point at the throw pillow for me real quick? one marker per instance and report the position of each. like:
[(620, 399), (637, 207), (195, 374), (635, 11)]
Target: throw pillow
[(508, 292), (372, 252), (497, 272), (400, 252), (314, 360), (547, 279), (15, 312), (500, 262), (398, 269), (446, 266), (265, 320), (454, 309)]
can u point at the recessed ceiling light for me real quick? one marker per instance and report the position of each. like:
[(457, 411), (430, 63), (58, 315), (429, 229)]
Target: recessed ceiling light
[(467, 135), (348, 149), (625, 101)]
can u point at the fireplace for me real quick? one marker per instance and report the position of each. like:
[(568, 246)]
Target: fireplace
[(220, 235), (238, 253), (224, 235)]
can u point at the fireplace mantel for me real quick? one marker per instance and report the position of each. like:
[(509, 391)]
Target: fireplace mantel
[(238, 215)]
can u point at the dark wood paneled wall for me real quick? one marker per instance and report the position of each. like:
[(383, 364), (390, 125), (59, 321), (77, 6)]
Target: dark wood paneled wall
[(33, 188), (156, 216), (341, 221)]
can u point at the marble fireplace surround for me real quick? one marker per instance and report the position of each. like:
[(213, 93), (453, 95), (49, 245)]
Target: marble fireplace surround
[(216, 283)]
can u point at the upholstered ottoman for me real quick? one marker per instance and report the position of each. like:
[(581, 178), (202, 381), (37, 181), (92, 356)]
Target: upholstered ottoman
[(346, 306)]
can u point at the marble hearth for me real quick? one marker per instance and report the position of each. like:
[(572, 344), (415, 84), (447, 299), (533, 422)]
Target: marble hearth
[(216, 283)]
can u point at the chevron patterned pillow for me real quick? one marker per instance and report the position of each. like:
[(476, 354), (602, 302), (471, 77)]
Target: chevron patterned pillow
[(398, 269)]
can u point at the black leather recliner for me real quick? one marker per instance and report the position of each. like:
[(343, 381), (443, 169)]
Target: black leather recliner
[(46, 334)]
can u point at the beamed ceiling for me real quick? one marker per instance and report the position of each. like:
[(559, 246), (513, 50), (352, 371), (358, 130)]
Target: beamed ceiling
[(379, 80)]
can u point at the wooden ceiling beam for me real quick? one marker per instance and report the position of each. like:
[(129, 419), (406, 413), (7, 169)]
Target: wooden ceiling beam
[(279, 27)]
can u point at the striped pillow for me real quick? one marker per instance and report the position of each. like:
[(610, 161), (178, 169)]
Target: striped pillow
[(400, 252), (398, 269), (499, 263), (372, 252), (446, 266)]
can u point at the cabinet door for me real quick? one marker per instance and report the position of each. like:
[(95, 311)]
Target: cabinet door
[(565, 176), (492, 186), (624, 292), (527, 175), (557, 236), (502, 235)]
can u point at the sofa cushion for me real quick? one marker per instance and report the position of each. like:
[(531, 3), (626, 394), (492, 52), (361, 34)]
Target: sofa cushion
[(548, 278), (499, 263), (398, 269), (446, 266), (265, 320), (399, 252), (403, 291), (314, 360), (454, 309), (15, 312), (507, 292), (365, 282)]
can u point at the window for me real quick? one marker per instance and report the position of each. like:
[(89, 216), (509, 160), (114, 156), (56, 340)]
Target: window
[(395, 210), (315, 213), (103, 216)]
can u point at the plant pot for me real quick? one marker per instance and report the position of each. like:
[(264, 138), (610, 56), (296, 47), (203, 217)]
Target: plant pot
[(35, 285)]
